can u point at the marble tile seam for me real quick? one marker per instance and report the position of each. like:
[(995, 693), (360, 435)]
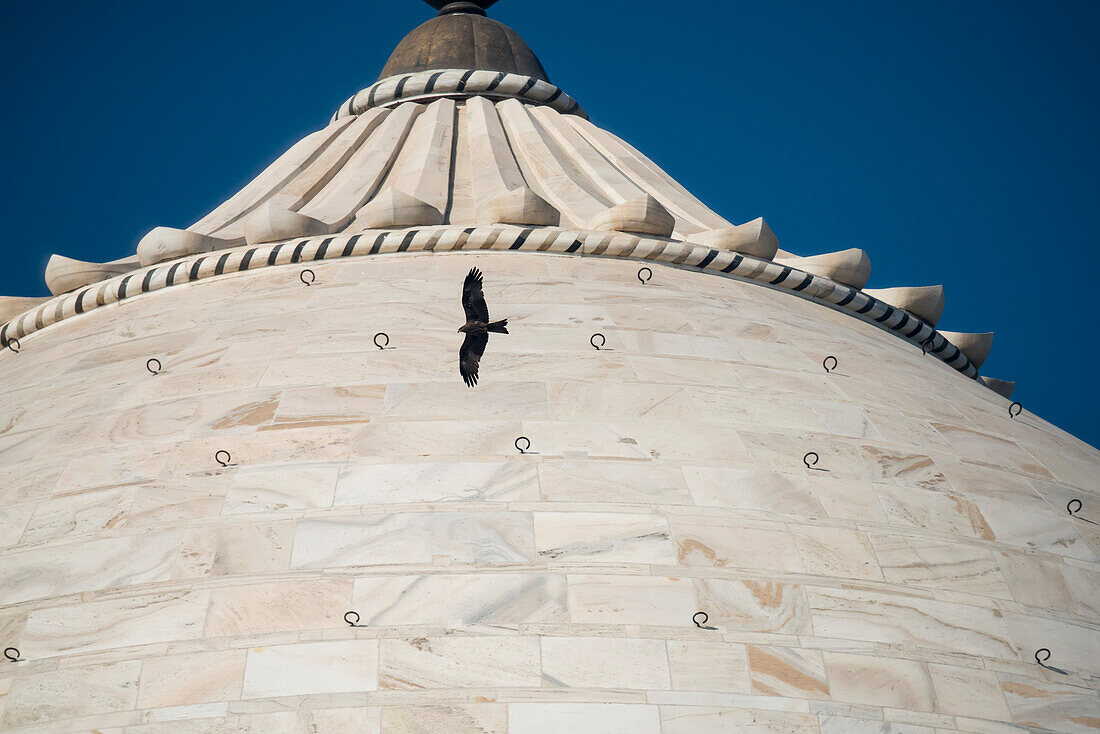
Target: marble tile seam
[(765, 273)]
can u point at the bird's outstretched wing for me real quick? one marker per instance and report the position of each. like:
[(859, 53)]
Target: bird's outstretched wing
[(469, 356), (473, 300)]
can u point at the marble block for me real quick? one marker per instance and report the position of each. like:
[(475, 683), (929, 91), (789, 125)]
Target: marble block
[(592, 537), (459, 662), (583, 718), (203, 677), (73, 692), (879, 681), (342, 666), (604, 662), (697, 665)]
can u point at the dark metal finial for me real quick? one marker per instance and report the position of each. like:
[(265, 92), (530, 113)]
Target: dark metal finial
[(446, 7)]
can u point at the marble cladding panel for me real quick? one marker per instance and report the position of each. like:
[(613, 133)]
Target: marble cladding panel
[(899, 586)]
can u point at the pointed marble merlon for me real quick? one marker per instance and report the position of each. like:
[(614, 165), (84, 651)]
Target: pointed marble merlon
[(850, 267), (63, 274), (923, 301), (643, 215), (753, 238), (168, 243), (395, 208), (522, 206), (975, 346), (273, 223), (1003, 388), (12, 306)]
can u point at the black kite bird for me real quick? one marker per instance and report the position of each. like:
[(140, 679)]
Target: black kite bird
[(476, 328)]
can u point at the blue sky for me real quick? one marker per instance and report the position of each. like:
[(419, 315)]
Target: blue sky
[(955, 142)]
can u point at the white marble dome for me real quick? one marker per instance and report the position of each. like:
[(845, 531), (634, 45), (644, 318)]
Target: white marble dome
[(908, 580)]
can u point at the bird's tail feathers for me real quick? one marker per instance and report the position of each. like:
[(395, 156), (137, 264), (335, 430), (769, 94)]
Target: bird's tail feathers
[(500, 327)]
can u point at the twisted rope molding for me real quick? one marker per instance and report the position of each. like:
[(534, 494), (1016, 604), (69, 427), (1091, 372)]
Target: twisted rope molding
[(465, 82), (446, 239)]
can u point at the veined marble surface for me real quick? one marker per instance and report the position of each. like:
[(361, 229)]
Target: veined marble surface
[(902, 585)]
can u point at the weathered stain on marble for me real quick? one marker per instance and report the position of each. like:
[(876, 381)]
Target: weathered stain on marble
[(178, 680), (440, 599), (879, 681), (112, 623), (721, 720), (378, 484), (277, 606), (229, 550), (99, 564), (328, 406), (1050, 705), (467, 537), (968, 692), (754, 606), (839, 552), (603, 537), (790, 672), (942, 513), (752, 489), (275, 489), (906, 469), (458, 662), (909, 621), (939, 564), (472, 718), (734, 543), (983, 448)]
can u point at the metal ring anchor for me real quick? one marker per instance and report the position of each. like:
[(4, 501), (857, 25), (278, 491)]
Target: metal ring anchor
[(1042, 660), (645, 280), (806, 459), (523, 450), (149, 366), (228, 457), (592, 340), (17, 347), (381, 346), (1074, 510), (312, 277), (1019, 409), (700, 624), (825, 363), (10, 657), (926, 345), (352, 623)]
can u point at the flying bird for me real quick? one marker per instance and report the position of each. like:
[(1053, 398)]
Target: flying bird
[(476, 328)]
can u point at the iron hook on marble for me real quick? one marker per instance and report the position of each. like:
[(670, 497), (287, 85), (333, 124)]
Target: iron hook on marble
[(1042, 659), (647, 278), (926, 345), (154, 370), (523, 450), (702, 623), (603, 341), (806, 459), (217, 457), (825, 363), (384, 334), (1074, 510), (17, 346), (12, 655), (352, 622), (312, 277), (1019, 409)]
